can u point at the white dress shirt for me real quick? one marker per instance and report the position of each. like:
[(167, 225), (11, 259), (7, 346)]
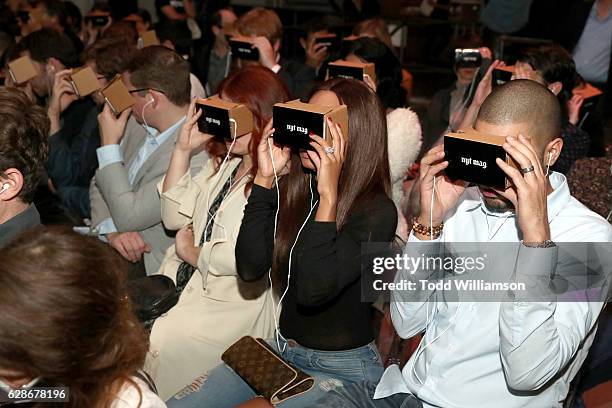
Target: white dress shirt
[(502, 354)]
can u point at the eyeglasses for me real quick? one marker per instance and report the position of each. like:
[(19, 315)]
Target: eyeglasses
[(144, 89)]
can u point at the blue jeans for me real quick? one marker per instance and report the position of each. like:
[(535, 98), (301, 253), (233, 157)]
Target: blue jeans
[(361, 395), (223, 388)]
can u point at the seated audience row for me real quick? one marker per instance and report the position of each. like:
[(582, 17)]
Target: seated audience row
[(259, 238)]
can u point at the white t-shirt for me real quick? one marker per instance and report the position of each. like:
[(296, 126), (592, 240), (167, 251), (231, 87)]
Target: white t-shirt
[(129, 397)]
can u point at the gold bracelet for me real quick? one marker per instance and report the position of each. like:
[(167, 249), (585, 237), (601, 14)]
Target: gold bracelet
[(427, 231)]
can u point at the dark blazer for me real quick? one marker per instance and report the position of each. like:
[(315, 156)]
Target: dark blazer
[(72, 158), (297, 76)]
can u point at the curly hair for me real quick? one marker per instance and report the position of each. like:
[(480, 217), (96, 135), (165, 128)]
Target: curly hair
[(24, 130)]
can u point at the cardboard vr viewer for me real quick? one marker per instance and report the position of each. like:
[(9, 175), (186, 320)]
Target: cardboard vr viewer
[(22, 70), (84, 81), (501, 75), (98, 20), (223, 119), (117, 95), (242, 47), (294, 121), (147, 39), (468, 57), (351, 70), (471, 157), (331, 41)]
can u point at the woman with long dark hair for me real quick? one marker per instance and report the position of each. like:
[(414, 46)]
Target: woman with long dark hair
[(67, 321), (333, 199), (215, 307)]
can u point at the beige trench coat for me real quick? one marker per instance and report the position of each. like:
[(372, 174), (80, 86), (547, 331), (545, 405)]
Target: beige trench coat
[(216, 308)]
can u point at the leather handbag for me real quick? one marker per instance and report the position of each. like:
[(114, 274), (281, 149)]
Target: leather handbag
[(265, 371), (152, 296)]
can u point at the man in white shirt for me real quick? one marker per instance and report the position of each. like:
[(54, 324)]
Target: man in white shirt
[(515, 353), (135, 153)]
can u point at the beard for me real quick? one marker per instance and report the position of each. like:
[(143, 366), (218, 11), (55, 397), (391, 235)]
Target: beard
[(497, 204)]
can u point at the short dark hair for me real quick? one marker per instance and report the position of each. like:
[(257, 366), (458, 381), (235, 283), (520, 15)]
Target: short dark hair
[(24, 130), (110, 55), (56, 8), (47, 43), (388, 70), (101, 6), (145, 15), (323, 23), (554, 64), (160, 68), (73, 16), (524, 101), (177, 32)]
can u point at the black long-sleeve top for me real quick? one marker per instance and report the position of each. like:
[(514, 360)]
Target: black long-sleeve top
[(323, 308)]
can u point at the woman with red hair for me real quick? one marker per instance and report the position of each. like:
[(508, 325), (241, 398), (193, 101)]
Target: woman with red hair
[(215, 307)]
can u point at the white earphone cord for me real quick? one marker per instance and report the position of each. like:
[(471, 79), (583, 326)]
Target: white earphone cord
[(275, 307), (214, 183), (420, 349), (144, 119), (429, 320)]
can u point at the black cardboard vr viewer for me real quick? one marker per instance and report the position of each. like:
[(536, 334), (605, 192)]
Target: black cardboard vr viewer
[(471, 157), (501, 75), (331, 41), (354, 70), (218, 116), (243, 49), (294, 121), (468, 58), (97, 20)]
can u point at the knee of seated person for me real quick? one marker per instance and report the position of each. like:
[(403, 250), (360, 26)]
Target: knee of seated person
[(256, 403)]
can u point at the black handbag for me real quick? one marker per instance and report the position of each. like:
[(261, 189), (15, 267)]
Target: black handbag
[(152, 296)]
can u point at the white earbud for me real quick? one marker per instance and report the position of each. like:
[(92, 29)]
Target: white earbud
[(5, 187), (550, 155), (144, 119)]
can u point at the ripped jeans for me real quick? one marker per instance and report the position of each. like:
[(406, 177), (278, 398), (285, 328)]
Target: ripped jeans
[(222, 388)]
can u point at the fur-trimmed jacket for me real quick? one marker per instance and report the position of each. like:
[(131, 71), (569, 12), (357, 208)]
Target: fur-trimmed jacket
[(404, 143)]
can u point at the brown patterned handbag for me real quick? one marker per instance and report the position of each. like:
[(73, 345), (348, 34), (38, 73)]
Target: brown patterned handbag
[(265, 371)]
